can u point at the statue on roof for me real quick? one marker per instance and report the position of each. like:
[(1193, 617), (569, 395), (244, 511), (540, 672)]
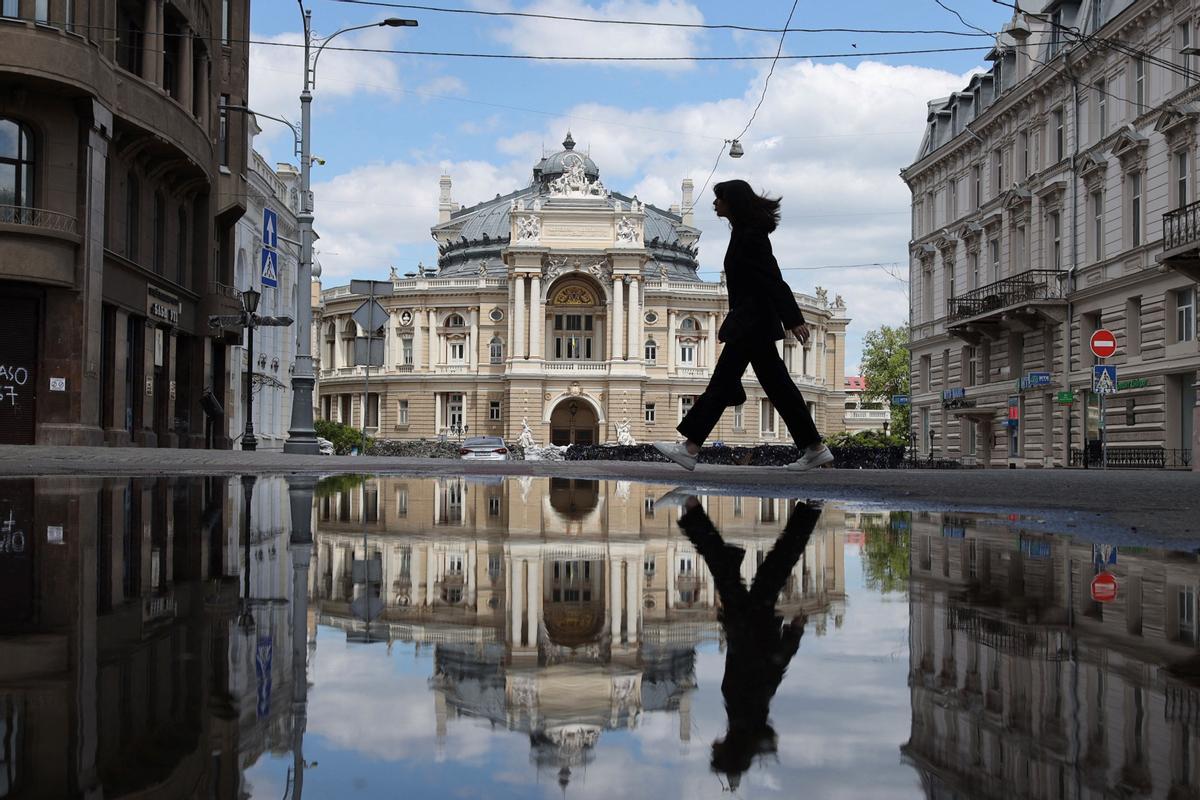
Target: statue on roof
[(822, 296), (838, 302), (392, 274), (574, 181)]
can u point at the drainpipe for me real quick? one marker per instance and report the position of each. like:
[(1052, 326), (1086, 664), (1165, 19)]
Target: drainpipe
[(1074, 248)]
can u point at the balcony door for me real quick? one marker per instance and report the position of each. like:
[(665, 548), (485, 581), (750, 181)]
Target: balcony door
[(575, 314), (573, 422)]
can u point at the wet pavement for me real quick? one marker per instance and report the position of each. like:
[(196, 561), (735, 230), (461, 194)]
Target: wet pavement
[(546, 637)]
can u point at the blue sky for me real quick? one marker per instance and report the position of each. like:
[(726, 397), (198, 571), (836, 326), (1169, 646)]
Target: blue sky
[(830, 138)]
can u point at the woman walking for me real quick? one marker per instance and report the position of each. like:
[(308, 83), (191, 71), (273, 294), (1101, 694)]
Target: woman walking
[(761, 306)]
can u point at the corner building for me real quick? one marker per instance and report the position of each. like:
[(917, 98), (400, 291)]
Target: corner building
[(569, 306), (121, 179), (1044, 209)]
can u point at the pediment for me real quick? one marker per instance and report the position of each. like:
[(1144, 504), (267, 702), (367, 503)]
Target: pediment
[(1129, 144), (969, 230), (1091, 164), (1052, 192), (1015, 198), (1175, 119), (945, 241)]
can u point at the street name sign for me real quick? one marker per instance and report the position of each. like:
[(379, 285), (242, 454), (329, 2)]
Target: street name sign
[(899, 399), (1103, 343)]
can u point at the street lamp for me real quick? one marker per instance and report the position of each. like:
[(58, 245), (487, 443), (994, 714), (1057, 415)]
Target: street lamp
[(302, 437), (250, 298)]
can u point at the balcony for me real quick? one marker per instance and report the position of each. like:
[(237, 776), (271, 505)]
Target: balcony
[(1020, 303), (594, 367), (37, 218), (1181, 240), (692, 372)]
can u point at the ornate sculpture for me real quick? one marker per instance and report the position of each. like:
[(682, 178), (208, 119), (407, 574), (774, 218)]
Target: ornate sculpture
[(392, 274), (526, 437), (482, 268), (624, 437), (574, 181), (662, 271), (529, 229), (822, 296), (557, 265), (627, 232), (838, 302)]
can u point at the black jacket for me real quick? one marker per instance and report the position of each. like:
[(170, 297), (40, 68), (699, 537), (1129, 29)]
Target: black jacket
[(761, 304)]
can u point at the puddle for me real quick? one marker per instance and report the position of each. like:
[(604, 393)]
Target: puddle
[(542, 637)]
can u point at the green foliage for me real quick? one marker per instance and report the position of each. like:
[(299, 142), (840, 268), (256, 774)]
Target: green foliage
[(885, 369), (336, 484), (865, 439), (343, 436), (885, 556)]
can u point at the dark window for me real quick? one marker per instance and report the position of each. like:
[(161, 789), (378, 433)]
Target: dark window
[(223, 130), (181, 256), (160, 232), (16, 167), (129, 37)]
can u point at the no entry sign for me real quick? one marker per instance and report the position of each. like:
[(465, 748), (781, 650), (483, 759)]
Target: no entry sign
[(1104, 588), (1104, 343)]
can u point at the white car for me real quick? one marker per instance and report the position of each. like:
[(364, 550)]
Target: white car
[(484, 448), (324, 446)]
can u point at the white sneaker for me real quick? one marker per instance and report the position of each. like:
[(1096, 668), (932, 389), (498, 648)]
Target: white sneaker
[(676, 498), (677, 452), (811, 459)]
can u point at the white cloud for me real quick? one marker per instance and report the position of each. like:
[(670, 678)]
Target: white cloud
[(563, 38)]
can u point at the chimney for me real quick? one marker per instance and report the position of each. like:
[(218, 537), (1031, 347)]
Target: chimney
[(687, 202), (445, 204)]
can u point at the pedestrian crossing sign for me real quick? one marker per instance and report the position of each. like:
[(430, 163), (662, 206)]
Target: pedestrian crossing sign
[(270, 268), (1104, 379)]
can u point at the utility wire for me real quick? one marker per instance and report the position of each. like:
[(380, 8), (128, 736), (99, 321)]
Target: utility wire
[(650, 23), (963, 21)]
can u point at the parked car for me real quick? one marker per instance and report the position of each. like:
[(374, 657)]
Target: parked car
[(324, 446), (484, 448)]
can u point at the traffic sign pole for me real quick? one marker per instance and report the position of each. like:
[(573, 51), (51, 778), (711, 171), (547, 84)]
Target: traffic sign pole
[(1104, 345), (368, 315)]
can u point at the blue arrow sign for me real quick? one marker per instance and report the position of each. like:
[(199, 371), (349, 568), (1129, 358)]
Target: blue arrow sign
[(270, 229), (270, 268)]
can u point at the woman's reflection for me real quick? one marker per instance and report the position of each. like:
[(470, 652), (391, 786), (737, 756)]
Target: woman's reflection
[(759, 644)]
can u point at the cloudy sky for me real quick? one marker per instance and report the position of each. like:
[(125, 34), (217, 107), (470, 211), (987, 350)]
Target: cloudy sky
[(830, 137)]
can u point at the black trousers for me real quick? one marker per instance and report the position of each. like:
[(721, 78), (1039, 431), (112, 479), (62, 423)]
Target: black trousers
[(725, 389)]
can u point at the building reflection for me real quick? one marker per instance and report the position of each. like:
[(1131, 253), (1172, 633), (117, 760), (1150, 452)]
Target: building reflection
[(124, 669), (559, 608), (1023, 686)]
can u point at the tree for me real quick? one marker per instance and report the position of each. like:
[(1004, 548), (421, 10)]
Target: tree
[(885, 370), (885, 554)]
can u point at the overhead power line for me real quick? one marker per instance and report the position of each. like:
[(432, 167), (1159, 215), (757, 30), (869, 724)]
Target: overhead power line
[(651, 23)]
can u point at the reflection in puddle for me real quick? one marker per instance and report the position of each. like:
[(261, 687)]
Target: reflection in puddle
[(532, 636)]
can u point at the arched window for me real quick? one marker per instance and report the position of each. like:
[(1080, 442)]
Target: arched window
[(349, 331), (496, 350), (330, 343), (454, 321), (688, 324), (651, 351), (16, 168)]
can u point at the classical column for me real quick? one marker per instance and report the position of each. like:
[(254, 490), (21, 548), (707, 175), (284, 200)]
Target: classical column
[(418, 340), (151, 41), (202, 100), (433, 339), (670, 576), (338, 567), (160, 49), (669, 344), (618, 318), (437, 413), (430, 574), (537, 344), (635, 317), (473, 343), (518, 588), (534, 603), (471, 567), (508, 342), (632, 606), (614, 597), (713, 324), (519, 318), (185, 68)]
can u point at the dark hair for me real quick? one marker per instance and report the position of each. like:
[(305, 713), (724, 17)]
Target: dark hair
[(747, 207)]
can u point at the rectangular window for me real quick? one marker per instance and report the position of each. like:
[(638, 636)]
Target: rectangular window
[(1101, 108), (739, 417), (649, 413), (41, 10), (494, 410), (994, 257), (1097, 226), (997, 171), (651, 352), (1185, 314), (457, 352), (494, 505), (766, 417), (1060, 140), (687, 354), (1023, 139), (1183, 37), (1181, 179), (406, 350), (1135, 209), (1187, 614), (1133, 326), (402, 412), (225, 22), (223, 129), (1139, 83), (974, 258), (972, 366), (1054, 235), (975, 180), (685, 405), (1020, 250), (972, 439), (925, 367), (373, 410), (1097, 14), (1056, 37), (952, 199)]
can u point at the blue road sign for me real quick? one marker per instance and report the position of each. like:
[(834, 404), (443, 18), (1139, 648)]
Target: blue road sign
[(270, 268), (1104, 379), (270, 229), (899, 399)]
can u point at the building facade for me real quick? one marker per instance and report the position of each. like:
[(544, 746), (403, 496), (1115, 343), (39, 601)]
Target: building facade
[(1023, 685), (863, 415), (278, 190), (1046, 207), (121, 179), (568, 307)]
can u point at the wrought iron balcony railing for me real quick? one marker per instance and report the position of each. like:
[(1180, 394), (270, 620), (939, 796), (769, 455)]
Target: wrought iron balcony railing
[(37, 218), (1181, 227), (1034, 284)]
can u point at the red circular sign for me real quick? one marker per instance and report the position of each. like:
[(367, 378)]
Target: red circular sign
[(1104, 588), (1104, 343)]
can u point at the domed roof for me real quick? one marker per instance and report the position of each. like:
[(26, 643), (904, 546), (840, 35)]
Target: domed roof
[(555, 165)]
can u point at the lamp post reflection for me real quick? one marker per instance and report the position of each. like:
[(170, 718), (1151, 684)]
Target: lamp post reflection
[(300, 498)]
